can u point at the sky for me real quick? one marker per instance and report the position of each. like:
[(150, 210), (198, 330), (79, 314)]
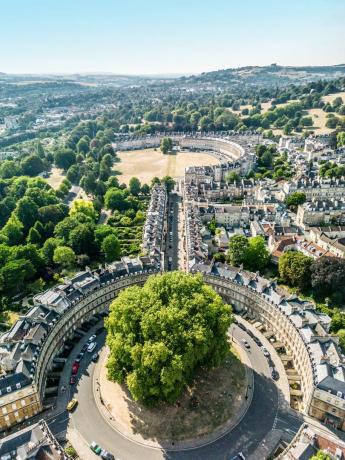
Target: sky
[(167, 36)]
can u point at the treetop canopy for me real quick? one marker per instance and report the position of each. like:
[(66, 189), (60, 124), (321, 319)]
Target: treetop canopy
[(160, 333)]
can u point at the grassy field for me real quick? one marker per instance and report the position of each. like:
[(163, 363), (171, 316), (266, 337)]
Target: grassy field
[(148, 163), (56, 177)]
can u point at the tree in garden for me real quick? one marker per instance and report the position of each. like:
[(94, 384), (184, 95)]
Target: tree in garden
[(320, 455), (166, 145), (64, 158), (295, 199), (341, 139), (232, 177), (328, 278), (145, 189), (32, 165), (14, 273), (134, 186), (81, 239), (13, 230), (83, 145), (115, 199), (238, 247), (84, 207), (27, 212), (111, 248), (161, 333), (155, 180), (64, 256), (257, 256), (294, 269), (49, 247)]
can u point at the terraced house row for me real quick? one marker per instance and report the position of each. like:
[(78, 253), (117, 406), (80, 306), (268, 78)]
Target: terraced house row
[(301, 333), (28, 349)]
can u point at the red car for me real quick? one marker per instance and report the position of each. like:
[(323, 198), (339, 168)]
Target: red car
[(75, 368)]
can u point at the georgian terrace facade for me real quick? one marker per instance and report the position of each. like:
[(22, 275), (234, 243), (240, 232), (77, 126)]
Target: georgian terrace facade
[(303, 332), (74, 302)]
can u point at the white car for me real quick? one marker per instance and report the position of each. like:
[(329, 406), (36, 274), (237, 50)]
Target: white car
[(92, 338), (265, 352), (91, 347)]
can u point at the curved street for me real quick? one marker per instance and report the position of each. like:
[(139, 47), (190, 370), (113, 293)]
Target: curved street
[(252, 435)]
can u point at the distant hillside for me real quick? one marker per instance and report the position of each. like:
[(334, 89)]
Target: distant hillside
[(273, 75)]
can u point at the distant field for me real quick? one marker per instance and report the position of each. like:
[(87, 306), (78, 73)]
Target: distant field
[(319, 121), (55, 178), (331, 97), (148, 163)]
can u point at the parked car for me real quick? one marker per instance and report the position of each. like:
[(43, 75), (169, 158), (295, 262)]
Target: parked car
[(72, 380), (250, 333), (84, 347), (95, 357), (238, 456), (274, 373), (75, 368), (265, 352), (240, 325), (257, 341), (91, 347), (71, 405), (79, 357), (92, 338), (246, 344), (107, 455), (95, 448)]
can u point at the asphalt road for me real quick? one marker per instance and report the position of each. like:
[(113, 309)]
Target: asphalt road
[(263, 415), (173, 233)]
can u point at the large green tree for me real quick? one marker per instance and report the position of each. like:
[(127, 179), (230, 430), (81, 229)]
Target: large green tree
[(238, 247), (111, 248), (166, 144), (294, 269), (159, 334), (257, 256)]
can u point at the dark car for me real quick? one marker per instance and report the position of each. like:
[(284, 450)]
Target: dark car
[(240, 325), (84, 347), (250, 333), (107, 455), (274, 373), (72, 380), (95, 357), (79, 357)]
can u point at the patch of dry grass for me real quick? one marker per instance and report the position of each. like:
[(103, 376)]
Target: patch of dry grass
[(213, 398), (56, 177)]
